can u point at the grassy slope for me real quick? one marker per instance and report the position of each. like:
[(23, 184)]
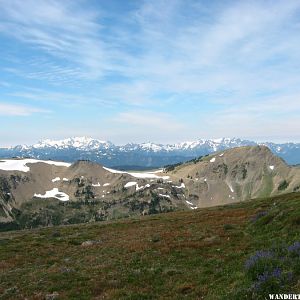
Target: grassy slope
[(170, 256)]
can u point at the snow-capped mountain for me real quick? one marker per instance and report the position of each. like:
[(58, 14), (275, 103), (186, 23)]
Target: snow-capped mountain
[(82, 143), (137, 156)]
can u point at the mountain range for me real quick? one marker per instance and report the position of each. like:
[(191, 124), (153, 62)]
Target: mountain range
[(46, 192), (137, 156)]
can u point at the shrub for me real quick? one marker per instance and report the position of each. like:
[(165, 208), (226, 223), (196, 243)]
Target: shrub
[(228, 226), (283, 185), (296, 188), (244, 172)]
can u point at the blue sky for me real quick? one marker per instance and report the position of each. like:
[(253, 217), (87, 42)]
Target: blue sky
[(161, 71)]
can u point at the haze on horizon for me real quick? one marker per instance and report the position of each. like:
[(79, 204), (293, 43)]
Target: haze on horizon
[(161, 71)]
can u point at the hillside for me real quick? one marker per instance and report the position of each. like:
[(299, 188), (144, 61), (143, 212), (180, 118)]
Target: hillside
[(235, 175), (45, 193), (199, 254)]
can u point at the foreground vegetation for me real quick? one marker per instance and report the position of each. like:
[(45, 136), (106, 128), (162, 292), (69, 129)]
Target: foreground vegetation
[(239, 251)]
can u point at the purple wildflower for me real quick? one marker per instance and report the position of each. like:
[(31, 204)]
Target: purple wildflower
[(259, 215), (275, 276), (252, 260), (294, 248)]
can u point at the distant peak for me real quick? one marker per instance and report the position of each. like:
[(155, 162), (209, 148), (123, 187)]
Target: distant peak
[(76, 142)]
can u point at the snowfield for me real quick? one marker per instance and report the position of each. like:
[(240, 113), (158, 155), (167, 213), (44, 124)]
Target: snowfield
[(146, 175), (21, 164), (54, 193), (129, 184)]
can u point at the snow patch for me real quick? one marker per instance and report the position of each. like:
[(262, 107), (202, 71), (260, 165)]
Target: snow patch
[(213, 159), (54, 193), (65, 179), (271, 167), (165, 196), (106, 184), (139, 174), (148, 175), (137, 187), (56, 179), (230, 187), (97, 184), (129, 184), (192, 206), (221, 154), (21, 164), (182, 186)]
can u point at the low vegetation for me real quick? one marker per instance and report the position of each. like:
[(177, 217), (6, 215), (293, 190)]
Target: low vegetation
[(172, 167), (283, 185), (240, 251)]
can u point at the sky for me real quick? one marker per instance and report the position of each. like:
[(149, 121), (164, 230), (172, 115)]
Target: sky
[(160, 70)]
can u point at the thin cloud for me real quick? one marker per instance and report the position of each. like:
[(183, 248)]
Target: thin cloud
[(149, 119), (7, 109), (143, 125), (59, 28)]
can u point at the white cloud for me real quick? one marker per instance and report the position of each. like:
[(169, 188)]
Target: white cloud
[(7, 109)]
